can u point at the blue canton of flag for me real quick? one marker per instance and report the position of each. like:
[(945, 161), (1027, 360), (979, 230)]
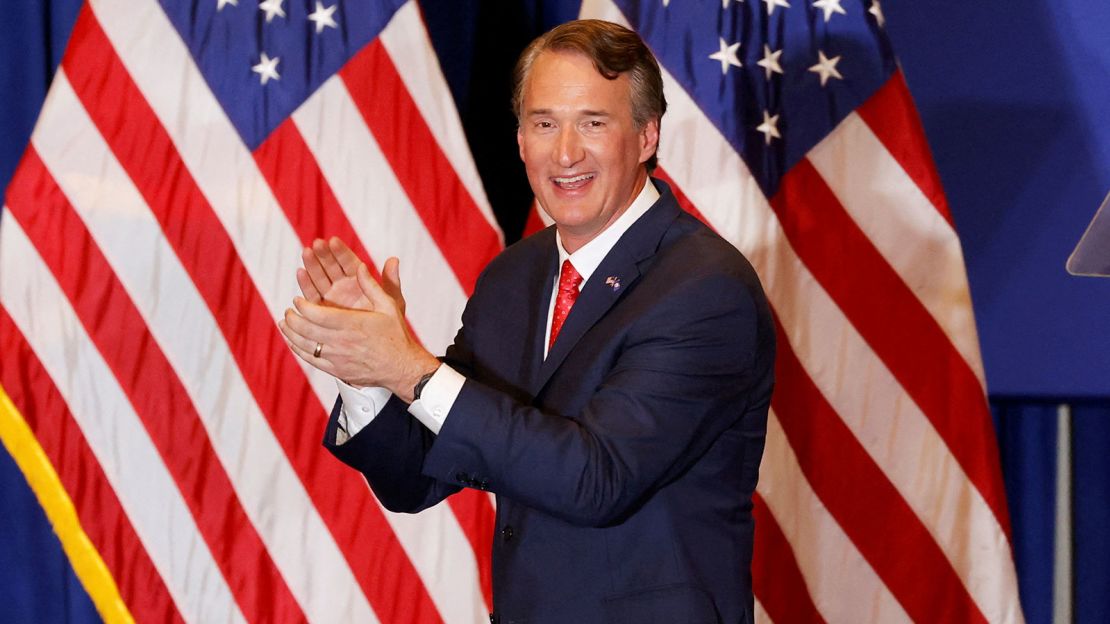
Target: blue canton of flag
[(774, 77), (263, 60)]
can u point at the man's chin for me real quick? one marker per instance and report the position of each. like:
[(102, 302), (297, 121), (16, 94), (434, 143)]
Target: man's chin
[(570, 219), (570, 209)]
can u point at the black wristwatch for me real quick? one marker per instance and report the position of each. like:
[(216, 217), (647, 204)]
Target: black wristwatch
[(419, 387)]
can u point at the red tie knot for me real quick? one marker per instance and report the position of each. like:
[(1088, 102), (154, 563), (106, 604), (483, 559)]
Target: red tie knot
[(569, 279)]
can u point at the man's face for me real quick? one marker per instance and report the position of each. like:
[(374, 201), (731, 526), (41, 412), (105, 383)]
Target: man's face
[(581, 148)]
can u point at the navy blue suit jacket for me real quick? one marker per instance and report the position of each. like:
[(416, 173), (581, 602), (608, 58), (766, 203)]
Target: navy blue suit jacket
[(623, 464)]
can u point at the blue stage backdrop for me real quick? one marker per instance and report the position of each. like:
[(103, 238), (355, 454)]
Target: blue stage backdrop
[(1014, 95)]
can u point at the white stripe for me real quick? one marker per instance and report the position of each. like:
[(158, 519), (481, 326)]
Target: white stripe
[(133, 468), (889, 425), (176, 314), (844, 587), (225, 170), (406, 40), (378, 208), (904, 226)]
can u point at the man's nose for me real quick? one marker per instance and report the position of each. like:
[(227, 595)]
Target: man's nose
[(568, 149)]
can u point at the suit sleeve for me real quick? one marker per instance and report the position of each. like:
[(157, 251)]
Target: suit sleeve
[(390, 452), (692, 366)]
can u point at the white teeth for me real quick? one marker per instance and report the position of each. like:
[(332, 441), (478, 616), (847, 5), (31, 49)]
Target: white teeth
[(577, 178)]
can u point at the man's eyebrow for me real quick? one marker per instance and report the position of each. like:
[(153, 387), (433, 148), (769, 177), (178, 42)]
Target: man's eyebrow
[(585, 113)]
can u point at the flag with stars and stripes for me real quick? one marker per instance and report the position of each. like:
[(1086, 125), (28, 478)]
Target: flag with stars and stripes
[(185, 154), (791, 132), (188, 150)]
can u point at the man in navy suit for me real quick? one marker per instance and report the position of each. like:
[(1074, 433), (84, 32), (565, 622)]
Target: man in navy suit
[(611, 379)]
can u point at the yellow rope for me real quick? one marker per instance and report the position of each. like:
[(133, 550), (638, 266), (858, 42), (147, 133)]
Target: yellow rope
[(43, 479)]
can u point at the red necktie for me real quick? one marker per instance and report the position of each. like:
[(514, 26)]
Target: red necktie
[(569, 281)]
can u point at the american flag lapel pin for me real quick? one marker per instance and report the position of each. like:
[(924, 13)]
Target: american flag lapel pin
[(613, 282)]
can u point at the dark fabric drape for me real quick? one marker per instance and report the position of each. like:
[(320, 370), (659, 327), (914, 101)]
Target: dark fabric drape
[(37, 583), (1027, 445), (34, 38), (1091, 511), (1031, 449)]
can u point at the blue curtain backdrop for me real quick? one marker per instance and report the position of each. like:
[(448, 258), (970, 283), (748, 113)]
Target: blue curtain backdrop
[(37, 583), (1017, 124), (1015, 98), (1028, 443), (1091, 511)]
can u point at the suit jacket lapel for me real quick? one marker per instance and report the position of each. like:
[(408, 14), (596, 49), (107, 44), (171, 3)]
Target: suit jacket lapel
[(538, 301), (614, 276)]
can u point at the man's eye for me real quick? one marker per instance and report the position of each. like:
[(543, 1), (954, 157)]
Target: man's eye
[(596, 124), (544, 124)]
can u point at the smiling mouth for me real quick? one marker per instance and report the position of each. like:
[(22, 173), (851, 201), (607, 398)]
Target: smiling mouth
[(570, 183)]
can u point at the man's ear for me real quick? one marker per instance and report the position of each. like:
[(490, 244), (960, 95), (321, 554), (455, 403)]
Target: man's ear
[(520, 142), (649, 139)]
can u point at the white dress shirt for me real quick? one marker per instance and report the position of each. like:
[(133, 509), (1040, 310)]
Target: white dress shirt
[(361, 405)]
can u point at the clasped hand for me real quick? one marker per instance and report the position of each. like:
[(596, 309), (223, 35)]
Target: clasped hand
[(359, 323)]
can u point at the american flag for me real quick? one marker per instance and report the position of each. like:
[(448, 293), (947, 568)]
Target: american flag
[(790, 130), (187, 151)]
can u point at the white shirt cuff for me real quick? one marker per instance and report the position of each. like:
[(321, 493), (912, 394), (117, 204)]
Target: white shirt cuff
[(360, 406), (437, 398)]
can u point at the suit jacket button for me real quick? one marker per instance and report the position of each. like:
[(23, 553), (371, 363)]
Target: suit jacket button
[(507, 533)]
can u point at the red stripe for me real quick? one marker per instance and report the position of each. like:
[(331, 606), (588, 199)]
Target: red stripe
[(98, 509), (895, 325), (456, 224), (865, 504), (311, 207), (892, 116), (776, 578), (279, 386), (121, 335)]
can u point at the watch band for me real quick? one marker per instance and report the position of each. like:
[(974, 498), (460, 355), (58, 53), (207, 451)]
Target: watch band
[(419, 387)]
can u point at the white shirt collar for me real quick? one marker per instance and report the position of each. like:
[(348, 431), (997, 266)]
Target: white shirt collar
[(590, 255)]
